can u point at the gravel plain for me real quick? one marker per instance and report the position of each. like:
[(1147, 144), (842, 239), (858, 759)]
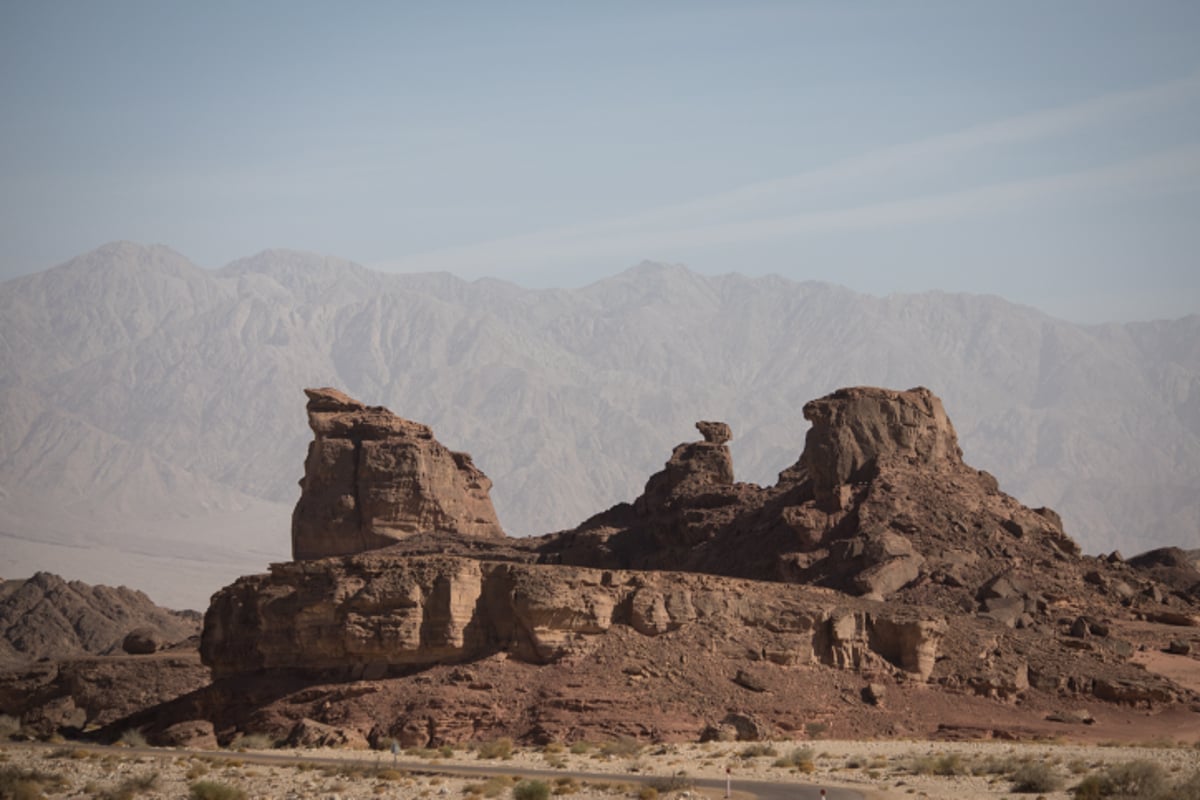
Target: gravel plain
[(881, 770)]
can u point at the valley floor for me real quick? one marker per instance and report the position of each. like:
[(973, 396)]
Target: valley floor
[(878, 770)]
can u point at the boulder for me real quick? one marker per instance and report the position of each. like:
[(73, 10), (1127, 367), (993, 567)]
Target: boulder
[(191, 734), (1179, 647), (142, 641), (308, 733)]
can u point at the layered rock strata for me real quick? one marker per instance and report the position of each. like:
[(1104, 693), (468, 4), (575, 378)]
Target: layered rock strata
[(375, 615), (372, 478)]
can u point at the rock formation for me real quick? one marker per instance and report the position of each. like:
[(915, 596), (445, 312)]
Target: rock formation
[(372, 478), (46, 617), (880, 587), (378, 615), (73, 655)]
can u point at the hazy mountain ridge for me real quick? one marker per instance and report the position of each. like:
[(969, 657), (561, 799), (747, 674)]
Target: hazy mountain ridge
[(568, 399)]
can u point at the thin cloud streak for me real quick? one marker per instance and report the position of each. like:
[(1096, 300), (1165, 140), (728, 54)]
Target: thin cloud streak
[(677, 225), (1158, 172)]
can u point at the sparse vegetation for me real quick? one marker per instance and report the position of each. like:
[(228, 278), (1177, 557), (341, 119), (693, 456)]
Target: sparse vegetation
[(565, 786), (621, 747), (496, 748), (27, 784), (130, 787), (1128, 779), (800, 759), (10, 726), (214, 790), (946, 764), (647, 793), (1035, 777), (492, 787), (679, 782), (758, 749), (531, 790)]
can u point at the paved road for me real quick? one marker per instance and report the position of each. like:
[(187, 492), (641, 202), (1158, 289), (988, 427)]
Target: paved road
[(715, 787)]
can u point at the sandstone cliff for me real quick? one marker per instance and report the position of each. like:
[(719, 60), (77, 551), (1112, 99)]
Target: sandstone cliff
[(372, 478)]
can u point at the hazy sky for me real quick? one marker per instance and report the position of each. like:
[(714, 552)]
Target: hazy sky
[(1045, 151)]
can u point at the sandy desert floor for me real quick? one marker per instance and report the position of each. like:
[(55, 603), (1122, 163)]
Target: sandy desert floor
[(881, 770)]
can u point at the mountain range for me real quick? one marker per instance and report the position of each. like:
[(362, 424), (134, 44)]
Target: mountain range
[(152, 424)]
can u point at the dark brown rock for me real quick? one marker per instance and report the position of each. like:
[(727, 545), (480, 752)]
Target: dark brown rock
[(196, 734), (714, 432), (142, 641)]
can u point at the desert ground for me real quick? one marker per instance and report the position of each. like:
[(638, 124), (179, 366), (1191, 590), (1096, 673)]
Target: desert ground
[(878, 770)]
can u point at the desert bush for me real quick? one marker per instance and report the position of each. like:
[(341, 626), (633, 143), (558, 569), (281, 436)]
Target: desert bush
[(130, 787), (28, 784), (553, 748), (213, 790), (1188, 789), (252, 741), (647, 793), (565, 786), (1035, 778), (389, 775), (947, 764), (580, 747), (531, 790), (800, 758), (496, 748), (1138, 778), (492, 787), (680, 782), (815, 729), (9, 726), (445, 751), (1130, 779), (758, 749), (622, 746)]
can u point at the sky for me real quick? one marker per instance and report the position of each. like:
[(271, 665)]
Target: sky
[(1047, 152)]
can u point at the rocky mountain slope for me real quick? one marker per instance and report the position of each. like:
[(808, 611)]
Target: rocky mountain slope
[(47, 618), (147, 436)]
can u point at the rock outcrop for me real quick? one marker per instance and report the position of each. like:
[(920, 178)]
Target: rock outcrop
[(372, 478), (879, 586), (378, 615), (47, 617), (857, 431)]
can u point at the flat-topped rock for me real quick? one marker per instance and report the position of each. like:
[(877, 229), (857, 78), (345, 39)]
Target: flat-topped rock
[(856, 428)]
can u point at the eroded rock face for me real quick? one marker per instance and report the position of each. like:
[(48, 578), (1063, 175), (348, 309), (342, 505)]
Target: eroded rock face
[(855, 429), (374, 615), (372, 478)]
